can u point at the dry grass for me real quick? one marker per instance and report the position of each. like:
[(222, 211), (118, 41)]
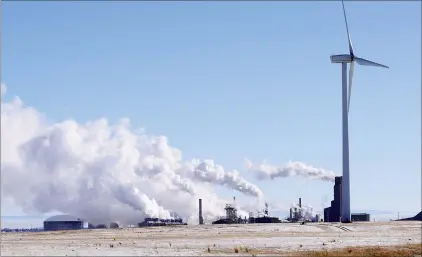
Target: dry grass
[(409, 250)]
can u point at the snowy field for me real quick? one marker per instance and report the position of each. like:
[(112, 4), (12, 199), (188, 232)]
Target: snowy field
[(219, 239)]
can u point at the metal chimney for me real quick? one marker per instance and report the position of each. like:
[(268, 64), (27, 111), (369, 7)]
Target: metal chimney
[(201, 219), (300, 202), (291, 214)]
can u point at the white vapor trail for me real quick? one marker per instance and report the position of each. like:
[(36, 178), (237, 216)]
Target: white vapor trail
[(103, 172), (266, 171)]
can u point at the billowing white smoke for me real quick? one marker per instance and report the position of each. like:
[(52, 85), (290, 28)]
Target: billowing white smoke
[(265, 171), (103, 172), (207, 171)]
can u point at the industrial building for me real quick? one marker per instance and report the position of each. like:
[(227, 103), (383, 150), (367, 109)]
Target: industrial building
[(232, 218), (101, 226), (333, 213), (298, 214), (156, 222), (265, 218), (63, 222), (114, 225), (360, 217)]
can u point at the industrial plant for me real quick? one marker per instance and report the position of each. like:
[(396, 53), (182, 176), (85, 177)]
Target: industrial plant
[(333, 213), (68, 222), (156, 222), (263, 217), (300, 214), (297, 214), (232, 217)]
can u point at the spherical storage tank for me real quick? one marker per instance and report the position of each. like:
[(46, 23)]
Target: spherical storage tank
[(63, 222)]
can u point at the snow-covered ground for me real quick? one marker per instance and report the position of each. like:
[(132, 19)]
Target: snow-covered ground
[(220, 239)]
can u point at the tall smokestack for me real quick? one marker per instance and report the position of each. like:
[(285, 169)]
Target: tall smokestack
[(201, 219), (300, 202)]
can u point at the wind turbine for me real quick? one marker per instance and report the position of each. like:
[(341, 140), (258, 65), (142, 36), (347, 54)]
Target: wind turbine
[(344, 59)]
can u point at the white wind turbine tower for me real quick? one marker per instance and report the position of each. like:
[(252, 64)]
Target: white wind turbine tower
[(344, 59)]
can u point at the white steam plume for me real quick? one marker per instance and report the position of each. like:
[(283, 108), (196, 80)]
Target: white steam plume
[(207, 171), (102, 172), (266, 171)]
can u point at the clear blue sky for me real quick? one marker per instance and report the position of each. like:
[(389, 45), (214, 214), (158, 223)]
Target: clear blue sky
[(233, 80)]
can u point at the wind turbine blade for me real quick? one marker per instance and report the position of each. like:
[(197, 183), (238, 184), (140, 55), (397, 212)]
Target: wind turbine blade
[(365, 62), (352, 68), (347, 29)]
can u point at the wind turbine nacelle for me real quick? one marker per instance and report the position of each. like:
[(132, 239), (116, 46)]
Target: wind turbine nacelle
[(341, 58)]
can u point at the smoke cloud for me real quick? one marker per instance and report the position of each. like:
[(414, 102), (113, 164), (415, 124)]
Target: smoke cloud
[(207, 171), (104, 172), (266, 171)]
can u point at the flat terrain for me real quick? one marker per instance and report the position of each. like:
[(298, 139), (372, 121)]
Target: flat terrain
[(245, 239)]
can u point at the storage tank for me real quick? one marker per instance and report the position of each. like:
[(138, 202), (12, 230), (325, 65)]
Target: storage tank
[(63, 222)]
